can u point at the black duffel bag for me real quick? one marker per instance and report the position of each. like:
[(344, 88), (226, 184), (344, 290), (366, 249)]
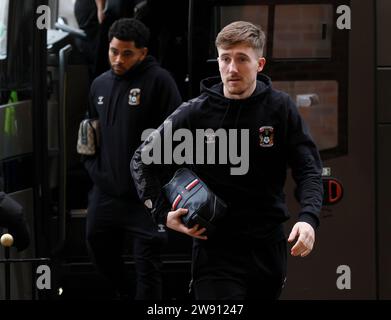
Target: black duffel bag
[(186, 190)]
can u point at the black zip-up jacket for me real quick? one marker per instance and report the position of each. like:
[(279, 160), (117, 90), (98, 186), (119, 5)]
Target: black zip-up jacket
[(278, 139), (126, 106)]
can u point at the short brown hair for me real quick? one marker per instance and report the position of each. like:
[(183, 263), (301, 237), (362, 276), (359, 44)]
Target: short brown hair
[(241, 32)]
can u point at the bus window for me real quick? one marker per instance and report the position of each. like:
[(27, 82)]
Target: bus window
[(3, 28), (317, 102), (254, 13), (302, 31), (224, 15)]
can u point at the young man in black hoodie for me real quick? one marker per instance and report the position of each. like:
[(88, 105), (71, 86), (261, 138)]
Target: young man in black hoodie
[(245, 258), (134, 95)]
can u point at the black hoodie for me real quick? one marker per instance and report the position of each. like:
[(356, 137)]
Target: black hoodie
[(278, 138), (126, 106)]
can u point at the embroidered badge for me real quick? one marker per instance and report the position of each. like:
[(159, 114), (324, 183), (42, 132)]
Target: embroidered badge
[(161, 228), (100, 99), (266, 136), (134, 97), (210, 137)]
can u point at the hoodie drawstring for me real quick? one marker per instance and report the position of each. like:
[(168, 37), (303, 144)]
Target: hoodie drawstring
[(225, 115), (236, 118)]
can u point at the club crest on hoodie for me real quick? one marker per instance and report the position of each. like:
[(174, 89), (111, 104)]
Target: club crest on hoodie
[(266, 136), (134, 97)]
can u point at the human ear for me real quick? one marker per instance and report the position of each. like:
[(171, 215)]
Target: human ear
[(261, 63), (144, 53)]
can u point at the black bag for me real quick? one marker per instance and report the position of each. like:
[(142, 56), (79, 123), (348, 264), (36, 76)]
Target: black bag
[(186, 190)]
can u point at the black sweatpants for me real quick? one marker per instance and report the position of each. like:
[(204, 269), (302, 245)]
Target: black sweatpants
[(228, 268), (108, 221)]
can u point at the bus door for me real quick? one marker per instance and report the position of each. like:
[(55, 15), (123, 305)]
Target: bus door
[(43, 91), (21, 164)]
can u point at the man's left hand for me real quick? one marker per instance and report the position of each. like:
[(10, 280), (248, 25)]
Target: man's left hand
[(306, 240)]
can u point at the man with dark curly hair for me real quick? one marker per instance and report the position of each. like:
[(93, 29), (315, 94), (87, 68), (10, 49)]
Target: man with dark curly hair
[(134, 95)]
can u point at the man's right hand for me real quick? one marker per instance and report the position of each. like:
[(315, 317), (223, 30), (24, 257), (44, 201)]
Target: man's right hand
[(174, 222)]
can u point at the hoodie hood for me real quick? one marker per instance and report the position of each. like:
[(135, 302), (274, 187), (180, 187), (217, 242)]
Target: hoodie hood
[(121, 83), (137, 69), (213, 87)]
